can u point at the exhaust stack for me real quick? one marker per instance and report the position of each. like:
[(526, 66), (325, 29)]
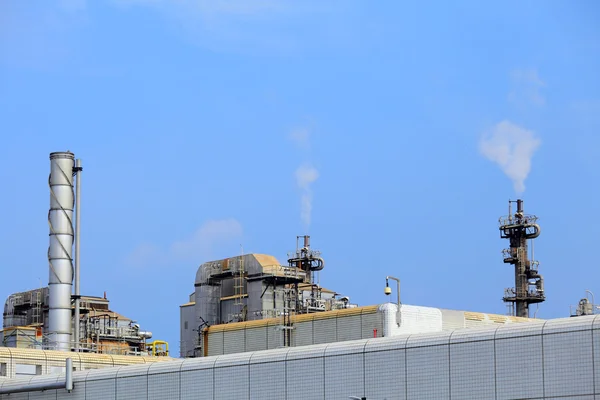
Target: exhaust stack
[(60, 260), (518, 228)]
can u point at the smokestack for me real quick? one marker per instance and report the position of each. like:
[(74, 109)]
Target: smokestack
[(60, 220)]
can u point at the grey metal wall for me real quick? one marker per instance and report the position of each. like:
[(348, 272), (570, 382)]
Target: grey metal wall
[(188, 331), (332, 329), (559, 359)]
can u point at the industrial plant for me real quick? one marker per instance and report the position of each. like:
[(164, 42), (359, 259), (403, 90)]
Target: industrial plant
[(49, 322), (256, 328)]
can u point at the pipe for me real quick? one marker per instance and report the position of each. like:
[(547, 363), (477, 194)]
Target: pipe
[(306, 241), (77, 170), (41, 385), (320, 264), (398, 283), (69, 375), (398, 312), (536, 232), (60, 220), (592, 294)]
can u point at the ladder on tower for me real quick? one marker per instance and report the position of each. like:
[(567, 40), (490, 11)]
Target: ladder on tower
[(239, 282), (37, 307)]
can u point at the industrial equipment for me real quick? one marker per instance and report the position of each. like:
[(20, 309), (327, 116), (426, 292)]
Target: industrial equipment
[(52, 317), (529, 284)]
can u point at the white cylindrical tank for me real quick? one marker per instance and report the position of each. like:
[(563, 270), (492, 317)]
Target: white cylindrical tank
[(60, 260)]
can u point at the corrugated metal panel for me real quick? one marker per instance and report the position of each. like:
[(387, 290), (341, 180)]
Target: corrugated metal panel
[(303, 333), (232, 360), (306, 379), (274, 336), (470, 323), (256, 338), (472, 362), (267, 381), (596, 352), (349, 328), (104, 373), (562, 325), (236, 381), (425, 382), (131, 387), (370, 321), (45, 395), (324, 331), (526, 382), (452, 319), (163, 386), (215, 343), (16, 396), (297, 318), (133, 370), (104, 389), (428, 339), (385, 362), (518, 330), (344, 370), (570, 348), (234, 341), (79, 382), (197, 378), (469, 335)]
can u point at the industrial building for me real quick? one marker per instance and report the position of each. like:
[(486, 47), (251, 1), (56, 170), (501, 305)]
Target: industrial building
[(555, 359), (44, 326), (251, 302), (257, 329)]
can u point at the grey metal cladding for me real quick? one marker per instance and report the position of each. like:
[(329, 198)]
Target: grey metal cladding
[(256, 338), (324, 331), (234, 341), (371, 321), (349, 328), (274, 337), (215, 343), (303, 333)]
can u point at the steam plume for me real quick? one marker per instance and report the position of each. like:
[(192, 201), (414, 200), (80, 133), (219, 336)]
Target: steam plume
[(511, 147), (305, 175)]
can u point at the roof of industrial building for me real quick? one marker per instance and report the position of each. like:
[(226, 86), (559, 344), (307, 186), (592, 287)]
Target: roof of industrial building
[(346, 312)]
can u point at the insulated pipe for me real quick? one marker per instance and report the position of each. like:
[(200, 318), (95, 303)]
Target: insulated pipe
[(38, 385), (536, 227), (320, 264), (60, 220), (77, 295)]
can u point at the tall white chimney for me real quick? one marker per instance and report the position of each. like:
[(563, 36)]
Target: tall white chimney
[(60, 220)]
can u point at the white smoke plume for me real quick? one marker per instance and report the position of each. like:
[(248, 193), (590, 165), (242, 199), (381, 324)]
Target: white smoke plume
[(512, 148), (305, 175)]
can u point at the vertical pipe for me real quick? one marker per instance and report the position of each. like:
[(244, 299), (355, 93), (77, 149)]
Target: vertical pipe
[(60, 261), (77, 318), (69, 375), (519, 205)]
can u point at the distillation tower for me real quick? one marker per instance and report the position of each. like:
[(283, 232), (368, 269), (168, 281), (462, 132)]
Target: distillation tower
[(529, 284)]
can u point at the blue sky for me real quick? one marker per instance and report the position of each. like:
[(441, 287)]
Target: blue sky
[(392, 133)]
